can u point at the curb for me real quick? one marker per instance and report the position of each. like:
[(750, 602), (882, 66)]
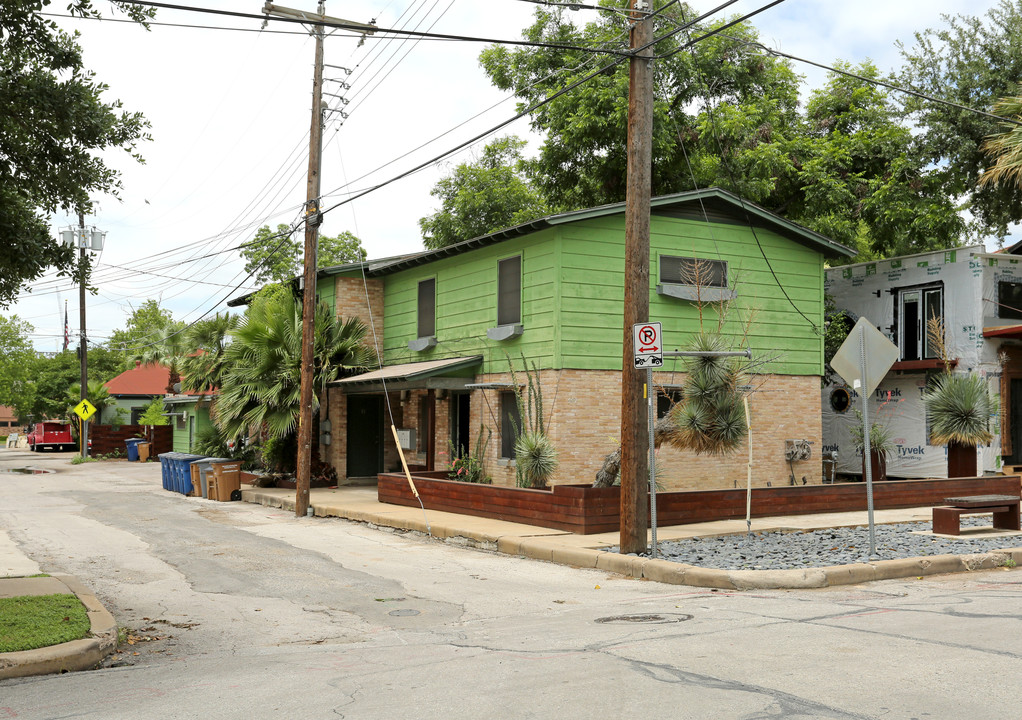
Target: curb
[(75, 655), (671, 573)]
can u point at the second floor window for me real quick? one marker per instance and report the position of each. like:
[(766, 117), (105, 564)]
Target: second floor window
[(699, 272), (916, 307), (427, 308), (1009, 299), (509, 291)]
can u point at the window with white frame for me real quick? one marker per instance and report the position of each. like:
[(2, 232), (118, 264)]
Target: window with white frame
[(914, 309)]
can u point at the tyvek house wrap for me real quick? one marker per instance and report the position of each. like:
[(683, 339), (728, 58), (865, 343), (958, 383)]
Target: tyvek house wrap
[(873, 290)]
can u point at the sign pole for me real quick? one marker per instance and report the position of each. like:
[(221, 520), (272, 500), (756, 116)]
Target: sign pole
[(652, 455), (866, 447)]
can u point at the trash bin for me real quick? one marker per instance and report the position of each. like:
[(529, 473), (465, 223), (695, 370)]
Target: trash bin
[(226, 483), (143, 451), (167, 470), (182, 465), (202, 475), (132, 444)]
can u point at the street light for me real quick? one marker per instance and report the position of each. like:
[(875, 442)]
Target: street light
[(84, 239)]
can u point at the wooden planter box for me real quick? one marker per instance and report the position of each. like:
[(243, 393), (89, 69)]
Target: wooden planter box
[(585, 510)]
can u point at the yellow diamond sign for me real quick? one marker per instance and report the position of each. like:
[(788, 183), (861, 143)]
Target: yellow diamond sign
[(85, 409)]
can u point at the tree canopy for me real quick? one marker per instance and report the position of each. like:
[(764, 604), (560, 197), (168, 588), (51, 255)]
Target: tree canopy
[(477, 198), (276, 255), (726, 113), (54, 129), (972, 61)]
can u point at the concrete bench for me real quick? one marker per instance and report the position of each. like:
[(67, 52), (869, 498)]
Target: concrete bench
[(1005, 509)]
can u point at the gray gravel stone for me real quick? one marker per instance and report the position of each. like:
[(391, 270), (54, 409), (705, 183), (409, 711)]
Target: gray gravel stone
[(822, 548)]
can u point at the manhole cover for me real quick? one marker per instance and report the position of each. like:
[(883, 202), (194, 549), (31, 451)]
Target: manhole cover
[(25, 471), (657, 619), (406, 612)]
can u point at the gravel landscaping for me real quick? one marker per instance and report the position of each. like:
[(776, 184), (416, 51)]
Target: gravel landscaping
[(822, 548)]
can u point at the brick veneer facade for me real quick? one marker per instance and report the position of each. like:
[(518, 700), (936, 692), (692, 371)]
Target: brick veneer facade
[(582, 411), (350, 300)]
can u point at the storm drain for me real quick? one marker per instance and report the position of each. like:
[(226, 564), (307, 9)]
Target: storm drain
[(648, 619), (26, 471), (404, 612)]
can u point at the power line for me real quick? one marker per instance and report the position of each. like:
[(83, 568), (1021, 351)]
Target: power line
[(360, 29)]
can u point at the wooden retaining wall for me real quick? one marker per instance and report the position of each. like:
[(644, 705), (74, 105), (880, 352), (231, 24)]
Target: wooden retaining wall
[(585, 510), (106, 440)]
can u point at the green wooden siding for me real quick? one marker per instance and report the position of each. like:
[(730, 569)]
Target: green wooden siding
[(573, 289), (466, 306), (198, 420)]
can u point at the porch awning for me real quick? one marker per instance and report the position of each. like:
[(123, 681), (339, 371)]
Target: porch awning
[(1004, 331), (450, 374)]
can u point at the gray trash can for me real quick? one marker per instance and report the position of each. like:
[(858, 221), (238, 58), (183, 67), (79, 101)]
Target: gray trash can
[(203, 468)]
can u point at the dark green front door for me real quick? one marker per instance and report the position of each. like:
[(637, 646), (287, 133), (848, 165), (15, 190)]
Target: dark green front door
[(365, 435)]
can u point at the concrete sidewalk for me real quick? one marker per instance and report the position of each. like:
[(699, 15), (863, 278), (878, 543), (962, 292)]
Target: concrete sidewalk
[(588, 551), (19, 577)]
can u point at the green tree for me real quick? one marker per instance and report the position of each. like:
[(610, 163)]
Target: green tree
[(726, 114), (276, 255), (168, 348), (17, 362), (261, 384), (205, 360), (54, 132), (477, 198), (154, 413), (972, 61), (146, 324), (1005, 148), (54, 375)]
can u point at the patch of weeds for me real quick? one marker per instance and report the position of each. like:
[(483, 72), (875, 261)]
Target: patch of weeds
[(1009, 563)]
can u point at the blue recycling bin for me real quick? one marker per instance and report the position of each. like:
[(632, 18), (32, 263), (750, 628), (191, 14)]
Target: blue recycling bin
[(132, 444), (166, 469), (182, 471)]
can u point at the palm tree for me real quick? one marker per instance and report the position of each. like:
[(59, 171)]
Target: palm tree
[(261, 383), (1006, 147), (168, 349), (203, 367)]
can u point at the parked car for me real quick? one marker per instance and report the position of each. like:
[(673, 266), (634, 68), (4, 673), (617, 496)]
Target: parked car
[(50, 434)]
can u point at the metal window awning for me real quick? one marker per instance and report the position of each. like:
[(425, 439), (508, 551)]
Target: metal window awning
[(448, 374)]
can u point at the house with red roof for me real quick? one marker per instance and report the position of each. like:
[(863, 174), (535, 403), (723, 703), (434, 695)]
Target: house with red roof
[(133, 390)]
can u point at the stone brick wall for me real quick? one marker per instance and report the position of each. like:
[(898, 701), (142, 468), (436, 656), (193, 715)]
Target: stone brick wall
[(350, 298), (582, 411), (582, 414)]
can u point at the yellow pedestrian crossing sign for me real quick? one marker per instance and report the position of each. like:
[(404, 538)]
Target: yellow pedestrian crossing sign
[(85, 409)]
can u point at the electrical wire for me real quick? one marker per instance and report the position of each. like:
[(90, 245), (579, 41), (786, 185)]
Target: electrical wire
[(360, 28)]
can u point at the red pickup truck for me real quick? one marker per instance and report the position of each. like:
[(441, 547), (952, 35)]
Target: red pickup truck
[(50, 435)]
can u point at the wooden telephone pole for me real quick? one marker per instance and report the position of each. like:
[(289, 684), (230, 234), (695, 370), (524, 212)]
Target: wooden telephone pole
[(634, 428), (313, 218)]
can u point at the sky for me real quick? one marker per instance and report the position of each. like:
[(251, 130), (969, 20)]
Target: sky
[(230, 114)]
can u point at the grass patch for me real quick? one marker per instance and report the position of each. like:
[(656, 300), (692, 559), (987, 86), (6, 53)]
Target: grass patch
[(37, 621)]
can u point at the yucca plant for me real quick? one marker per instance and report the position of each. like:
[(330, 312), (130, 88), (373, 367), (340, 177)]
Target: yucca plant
[(960, 408), (711, 418)]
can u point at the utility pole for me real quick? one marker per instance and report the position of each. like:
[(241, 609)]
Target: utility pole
[(634, 428), (313, 218), (81, 321)]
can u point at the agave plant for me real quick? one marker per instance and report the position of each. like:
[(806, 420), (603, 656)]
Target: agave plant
[(960, 407), (535, 458)]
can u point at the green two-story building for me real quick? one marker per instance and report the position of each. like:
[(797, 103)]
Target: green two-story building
[(446, 324)]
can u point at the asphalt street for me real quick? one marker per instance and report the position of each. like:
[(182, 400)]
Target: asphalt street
[(243, 611)]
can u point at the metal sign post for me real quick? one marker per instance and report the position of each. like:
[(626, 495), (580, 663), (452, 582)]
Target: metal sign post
[(862, 361), (649, 353)]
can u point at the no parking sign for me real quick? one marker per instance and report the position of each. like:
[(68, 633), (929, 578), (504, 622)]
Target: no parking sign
[(647, 345)]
